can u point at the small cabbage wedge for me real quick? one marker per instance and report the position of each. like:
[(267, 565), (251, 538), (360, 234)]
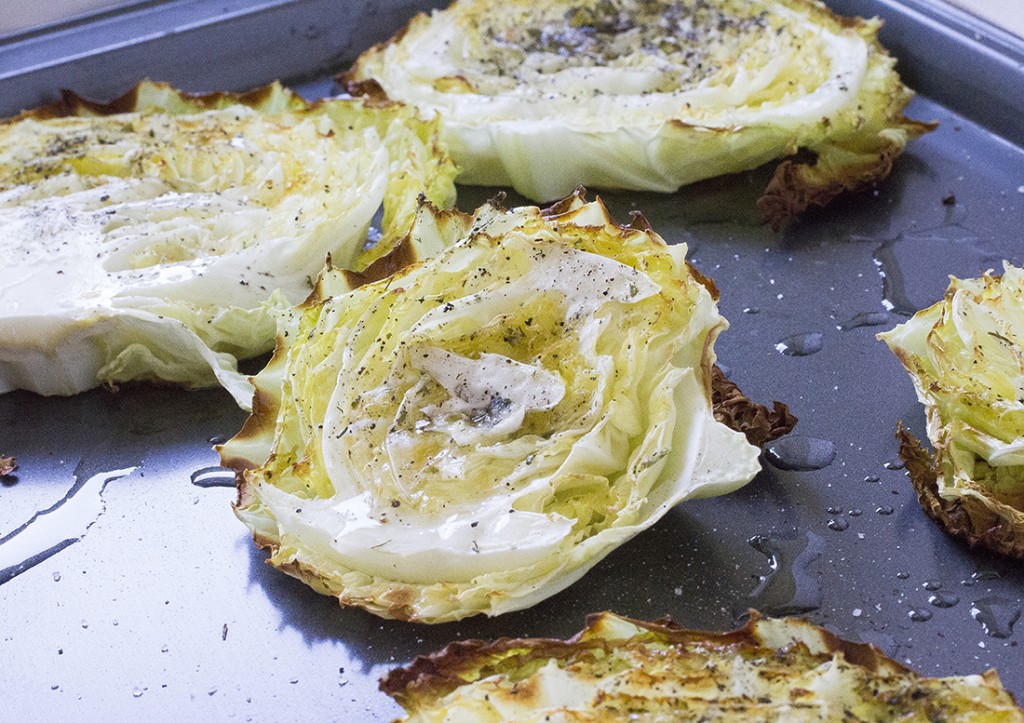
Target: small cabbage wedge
[(965, 355), (153, 237), (474, 433), (542, 95), (623, 669)]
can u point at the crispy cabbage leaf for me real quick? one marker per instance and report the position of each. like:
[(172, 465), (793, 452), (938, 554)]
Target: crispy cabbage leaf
[(617, 669), (542, 95), (965, 356), (153, 237), (472, 434)]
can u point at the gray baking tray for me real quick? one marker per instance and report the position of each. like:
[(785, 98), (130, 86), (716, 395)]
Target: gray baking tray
[(129, 591)]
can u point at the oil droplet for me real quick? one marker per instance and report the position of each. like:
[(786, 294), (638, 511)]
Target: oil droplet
[(213, 477), (894, 464), (943, 599), (833, 510), (902, 575), (864, 318), (164, 648), (997, 615), (931, 585), (294, 681), (872, 478), (218, 439), (137, 693), (985, 575), (801, 454), (751, 310), (855, 512), (884, 510), (801, 344), (788, 588), (56, 577), (211, 691), (920, 615), (839, 524), (63, 524), (894, 294)]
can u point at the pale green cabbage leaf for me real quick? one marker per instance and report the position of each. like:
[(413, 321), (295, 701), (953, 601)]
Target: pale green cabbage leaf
[(474, 433)]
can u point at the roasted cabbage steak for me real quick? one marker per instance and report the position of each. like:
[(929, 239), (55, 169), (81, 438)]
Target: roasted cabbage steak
[(152, 238), (542, 95), (472, 434), (621, 669), (965, 356)]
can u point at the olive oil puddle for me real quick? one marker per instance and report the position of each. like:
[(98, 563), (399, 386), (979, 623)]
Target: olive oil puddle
[(788, 588), (57, 527)]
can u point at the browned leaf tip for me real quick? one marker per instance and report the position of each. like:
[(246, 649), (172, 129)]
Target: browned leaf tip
[(734, 409), (370, 89), (7, 466), (967, 518)]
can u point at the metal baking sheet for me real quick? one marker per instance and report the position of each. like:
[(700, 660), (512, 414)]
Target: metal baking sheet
[(129, 591)]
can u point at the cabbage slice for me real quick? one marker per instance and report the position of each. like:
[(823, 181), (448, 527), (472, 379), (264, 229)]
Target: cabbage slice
[(965, 356), (650, 95), (474, 433), (618, 668), (153, 238)]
